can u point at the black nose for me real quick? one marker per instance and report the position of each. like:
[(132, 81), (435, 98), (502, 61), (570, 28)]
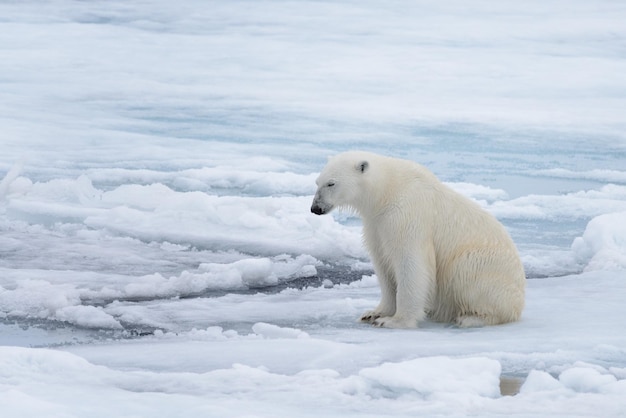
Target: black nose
[(317, 210)]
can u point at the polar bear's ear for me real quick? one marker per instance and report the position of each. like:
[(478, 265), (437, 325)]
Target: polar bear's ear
[(362, 166)]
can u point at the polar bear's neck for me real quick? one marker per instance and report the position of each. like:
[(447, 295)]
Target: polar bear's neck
[(393, 185)]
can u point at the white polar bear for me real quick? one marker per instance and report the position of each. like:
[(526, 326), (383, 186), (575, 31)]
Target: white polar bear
[(436, 253)]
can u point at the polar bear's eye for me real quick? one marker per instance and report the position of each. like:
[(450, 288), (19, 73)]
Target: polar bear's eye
[(330, 184)]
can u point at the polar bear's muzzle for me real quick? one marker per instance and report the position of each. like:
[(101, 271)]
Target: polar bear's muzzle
[(318, 210), (319, 207)]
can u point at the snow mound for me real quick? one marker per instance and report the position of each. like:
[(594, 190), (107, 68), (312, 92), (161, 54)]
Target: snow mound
[(28, 297), (478, 191), (579, 379), (274, 331), (88, 317), (40, 299), (264, 225), (432, 375), (242, 274), (603, 244)]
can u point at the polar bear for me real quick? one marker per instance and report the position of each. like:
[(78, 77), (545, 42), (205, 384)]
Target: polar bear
[(436, 253)]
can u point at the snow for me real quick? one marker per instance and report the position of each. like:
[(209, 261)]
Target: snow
[(157, 165), (603, 244)]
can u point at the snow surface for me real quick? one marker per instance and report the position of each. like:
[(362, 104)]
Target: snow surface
[(157, 165)]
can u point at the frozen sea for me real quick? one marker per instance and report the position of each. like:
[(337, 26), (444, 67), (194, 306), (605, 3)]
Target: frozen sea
[(157, 165)]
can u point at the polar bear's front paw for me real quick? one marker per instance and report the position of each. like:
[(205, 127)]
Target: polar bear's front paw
[(370, 316), (394, 322)]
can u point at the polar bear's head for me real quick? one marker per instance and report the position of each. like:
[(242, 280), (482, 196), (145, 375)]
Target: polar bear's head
[(341, 182)]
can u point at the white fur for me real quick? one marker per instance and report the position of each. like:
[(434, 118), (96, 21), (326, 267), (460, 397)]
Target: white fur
[(436, 253)]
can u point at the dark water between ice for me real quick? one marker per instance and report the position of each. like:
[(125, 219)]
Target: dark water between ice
[(34, 332)]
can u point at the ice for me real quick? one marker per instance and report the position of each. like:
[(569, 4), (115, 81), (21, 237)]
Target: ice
[(29, 297), (37, 298), (242, 274), (583, 204), (10, 177), (433, 375), (266, 224), (562, 395), (428, 385), (603, 244), (273, 331), (158, 256), (540, 381), (586, 379), (87, 316), (613, 176)]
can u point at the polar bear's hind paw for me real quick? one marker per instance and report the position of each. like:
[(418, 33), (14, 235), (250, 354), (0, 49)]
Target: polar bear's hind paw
[(470, 321), (394, 322)]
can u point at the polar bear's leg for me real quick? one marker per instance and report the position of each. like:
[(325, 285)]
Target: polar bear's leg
[(387, 305), (415, 275), (489, 290)]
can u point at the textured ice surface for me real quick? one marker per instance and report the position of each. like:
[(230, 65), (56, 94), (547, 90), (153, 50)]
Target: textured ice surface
[(157, 164)]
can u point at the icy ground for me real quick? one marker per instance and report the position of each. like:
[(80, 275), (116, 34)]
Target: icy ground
[(157, 164)]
